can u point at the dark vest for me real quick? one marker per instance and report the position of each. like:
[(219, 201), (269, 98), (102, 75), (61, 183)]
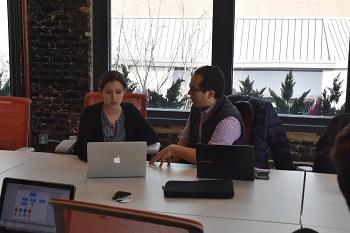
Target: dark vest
[(222, 109)]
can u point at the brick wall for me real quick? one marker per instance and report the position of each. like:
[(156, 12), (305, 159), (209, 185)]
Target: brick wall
[(60, 54)]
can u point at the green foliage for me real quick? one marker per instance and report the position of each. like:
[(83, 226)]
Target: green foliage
[(340, 110), (299, 105), (173, 95), (246, 88), (131, 86), (172, 100), (331, 97), (335, 92), (287, 88), (6, 89), (156, 100), (281, 105), (327, 109)]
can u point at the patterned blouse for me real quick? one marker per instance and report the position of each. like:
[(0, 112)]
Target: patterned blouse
[(111, 133)]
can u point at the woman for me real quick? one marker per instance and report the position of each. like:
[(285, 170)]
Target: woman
[(112, 120)]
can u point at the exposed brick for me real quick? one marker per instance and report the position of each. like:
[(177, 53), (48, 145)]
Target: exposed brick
[(60, 48)]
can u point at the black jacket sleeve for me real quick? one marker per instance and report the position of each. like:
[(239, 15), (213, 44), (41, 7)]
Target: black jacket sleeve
[(87, 131), (137, 127), (278, 142)]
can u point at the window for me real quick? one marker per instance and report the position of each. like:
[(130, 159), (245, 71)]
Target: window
[(296, 57), (4, 51), (158, 43)]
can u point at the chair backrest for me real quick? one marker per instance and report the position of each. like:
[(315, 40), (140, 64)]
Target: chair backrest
[(92, 98), (247, 112), (270, 137), (139, 100), (14, 122), (76, 216)]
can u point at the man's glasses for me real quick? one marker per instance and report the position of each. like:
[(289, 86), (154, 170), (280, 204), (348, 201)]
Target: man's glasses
[(194, 89)]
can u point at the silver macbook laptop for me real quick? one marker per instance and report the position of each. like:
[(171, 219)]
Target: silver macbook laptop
[(116, 159)]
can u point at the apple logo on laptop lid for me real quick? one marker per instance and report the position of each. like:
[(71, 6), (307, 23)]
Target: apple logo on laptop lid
[(116, 160)]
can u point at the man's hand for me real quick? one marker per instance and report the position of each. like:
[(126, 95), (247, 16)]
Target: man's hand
[(166, 155)]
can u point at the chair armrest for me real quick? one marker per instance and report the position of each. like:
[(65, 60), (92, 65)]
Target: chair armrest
[(28, 149), (304, 168), (65, 146), (153, 148)]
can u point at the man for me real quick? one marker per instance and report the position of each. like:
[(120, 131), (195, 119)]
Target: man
[(341, 157), (213, 118)]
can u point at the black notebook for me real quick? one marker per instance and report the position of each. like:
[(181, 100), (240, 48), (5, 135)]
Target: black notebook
[(199, 188)]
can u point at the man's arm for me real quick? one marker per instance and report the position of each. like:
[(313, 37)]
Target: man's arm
[(174, 153), (226, 132)]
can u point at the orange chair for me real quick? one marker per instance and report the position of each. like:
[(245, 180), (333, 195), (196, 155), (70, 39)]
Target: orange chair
[(14, 122), (76, 216), (138, 100), (91, 98)]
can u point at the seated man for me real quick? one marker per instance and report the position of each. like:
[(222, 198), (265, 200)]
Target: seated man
[(341, 158), (213, 118)]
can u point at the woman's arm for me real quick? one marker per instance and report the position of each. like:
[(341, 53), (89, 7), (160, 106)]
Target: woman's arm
[(84, 136), (143, 129)]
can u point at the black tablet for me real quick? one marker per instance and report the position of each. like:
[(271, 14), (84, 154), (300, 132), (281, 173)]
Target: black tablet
[(24, 204)]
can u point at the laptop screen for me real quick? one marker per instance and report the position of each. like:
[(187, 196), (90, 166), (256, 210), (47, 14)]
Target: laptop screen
[(25, 204), (225, 161)]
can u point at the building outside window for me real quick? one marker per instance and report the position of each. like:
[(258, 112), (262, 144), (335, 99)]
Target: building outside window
[(158, 43), (297, 57), (4, 51)]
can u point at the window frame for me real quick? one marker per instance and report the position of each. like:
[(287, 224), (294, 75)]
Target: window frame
[(222, 56), (14, 14)]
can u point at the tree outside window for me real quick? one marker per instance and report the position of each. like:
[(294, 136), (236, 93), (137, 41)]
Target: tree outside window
[(4, 51)]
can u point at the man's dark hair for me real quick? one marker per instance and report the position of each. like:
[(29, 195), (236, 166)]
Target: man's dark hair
[(213, 79), (111, 76)]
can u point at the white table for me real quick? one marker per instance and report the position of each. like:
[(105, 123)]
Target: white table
[(11, 159), (276, 200), (256, 200), (324, 205), (224, 225), (49, 167)]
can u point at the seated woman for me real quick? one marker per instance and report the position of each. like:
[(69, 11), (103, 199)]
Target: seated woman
[(112, 120)]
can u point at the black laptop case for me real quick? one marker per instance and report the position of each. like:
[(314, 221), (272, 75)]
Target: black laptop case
[(199, 188), (225, 161)]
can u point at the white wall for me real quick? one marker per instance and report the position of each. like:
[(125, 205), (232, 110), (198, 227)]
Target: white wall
[(292, 8)]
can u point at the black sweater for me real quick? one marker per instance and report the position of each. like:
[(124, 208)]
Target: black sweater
[(90, 128)]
